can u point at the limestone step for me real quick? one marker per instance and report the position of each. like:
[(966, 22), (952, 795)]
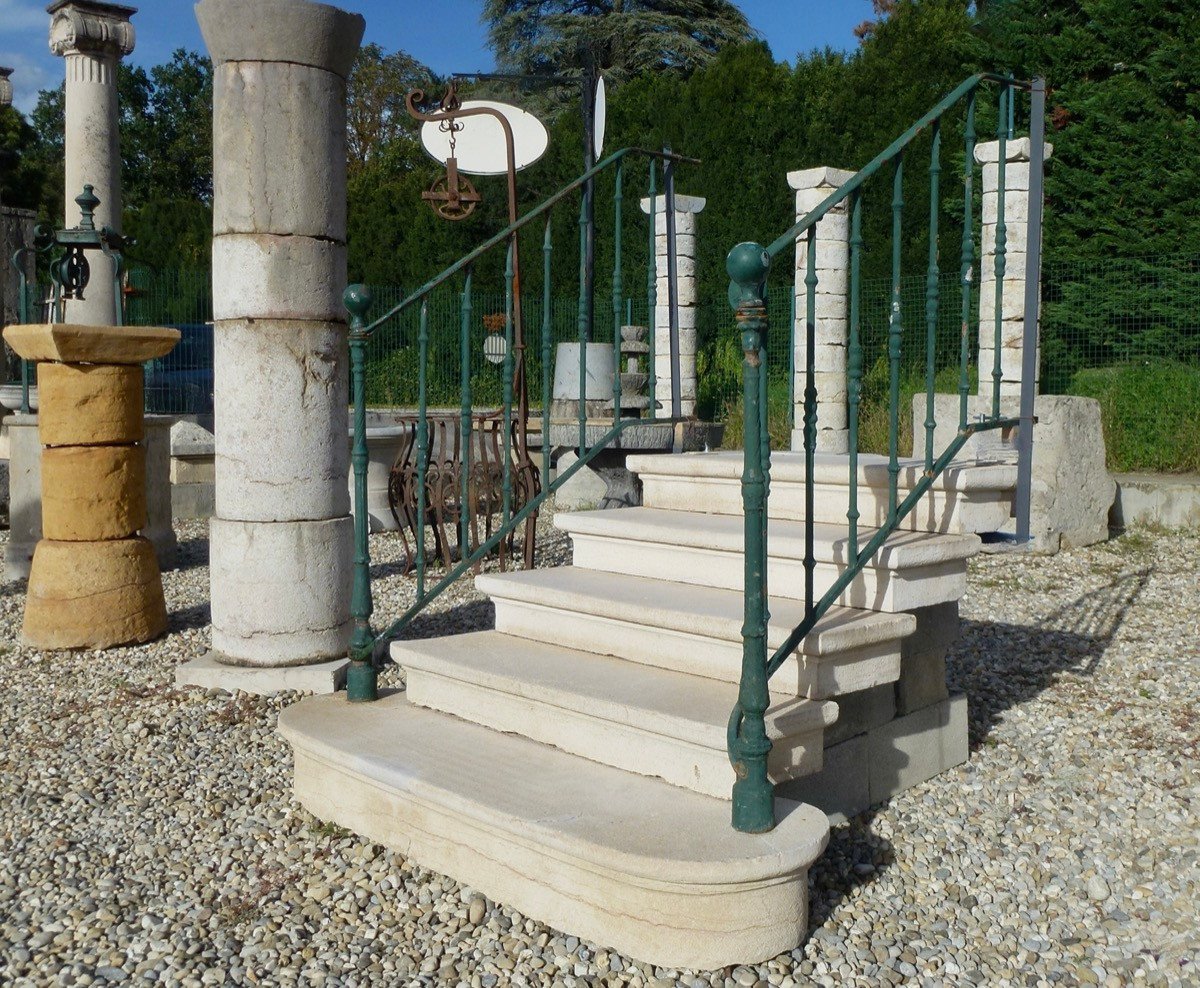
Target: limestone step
[(608, 710), (911, 570), (966, 498), (630, 862), (694, 630)]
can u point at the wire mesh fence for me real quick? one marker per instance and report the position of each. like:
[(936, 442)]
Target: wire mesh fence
[(1125, 331)]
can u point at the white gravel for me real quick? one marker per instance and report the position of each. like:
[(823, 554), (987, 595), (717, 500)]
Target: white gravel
[(147, 835)]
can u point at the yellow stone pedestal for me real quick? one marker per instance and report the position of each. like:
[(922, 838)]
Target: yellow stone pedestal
[(94, 583)]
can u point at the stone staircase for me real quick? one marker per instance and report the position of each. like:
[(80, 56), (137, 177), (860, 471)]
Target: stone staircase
[(572, 762)]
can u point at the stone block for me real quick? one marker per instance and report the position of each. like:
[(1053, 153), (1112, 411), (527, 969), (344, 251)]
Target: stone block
[(683, 204), (685, 245), (841, 790), (662, 323), (93, 595), (263, 158), (71, 343), (914, 748), (832, 255), (298, 575), (861, 712), (261, 276), (685, 223), (209, 672), (832, 415), (193, 469), (829, 282), (191, 501), (281, 435), (91, 493), (822, 178), (1016, 176), (160, 528), (685, 271), (1016, 240), (1016, 150), (1168, 501), (922, 681), (938, 627), (24, 494), (827, 359), (90, 404), (313, 34), (1016, 208)]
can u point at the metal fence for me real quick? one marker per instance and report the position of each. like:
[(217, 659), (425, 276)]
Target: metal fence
[(1125, 331)]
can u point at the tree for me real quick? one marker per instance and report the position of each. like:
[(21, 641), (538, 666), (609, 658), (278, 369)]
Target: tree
[(622, 38), (377, 119)]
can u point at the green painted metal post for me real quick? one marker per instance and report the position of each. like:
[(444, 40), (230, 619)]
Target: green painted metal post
[(854, 364), (422, 441), (810, 416), (547, 329), (968, 263), (584, 326), (1001, 244), (895, 332), (506, 495), (618, 291), (362, 678), (931, 292), (652, 298), (464, 413), (753, 794)]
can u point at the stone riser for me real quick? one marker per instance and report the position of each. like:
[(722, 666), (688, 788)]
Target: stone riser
[(807, 676), (874, 589), (938, 511), (584, 848), (702, 769)]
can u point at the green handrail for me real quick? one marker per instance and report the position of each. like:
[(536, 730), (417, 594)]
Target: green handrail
[(748, 265)]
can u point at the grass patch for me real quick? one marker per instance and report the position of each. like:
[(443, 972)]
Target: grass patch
[(1149, 412)]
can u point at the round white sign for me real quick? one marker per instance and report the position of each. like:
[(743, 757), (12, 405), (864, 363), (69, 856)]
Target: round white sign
[(599, 118), (479, 146), (495, 348)]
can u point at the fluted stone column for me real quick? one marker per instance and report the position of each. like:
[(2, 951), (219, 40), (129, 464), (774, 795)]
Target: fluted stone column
[(93, 37), (1016, 222), (813, 186), (281, 539), (687, 208)]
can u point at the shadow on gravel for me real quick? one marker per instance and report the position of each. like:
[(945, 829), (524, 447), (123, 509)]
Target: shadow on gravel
[(1002, 665), (192, 553), (854, 857), (190, 618)]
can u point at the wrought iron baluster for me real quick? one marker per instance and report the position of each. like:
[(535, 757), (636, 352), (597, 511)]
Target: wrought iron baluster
[(968, 263), (617, 292), (547, 331), (1001, 244), (464, 416), (652, 295), (422, 441), (792, 354), (361, 676), (895, 331), (508, 382), (810, 415), (584, 328), (753, 794), (931, 292), (854, 365)]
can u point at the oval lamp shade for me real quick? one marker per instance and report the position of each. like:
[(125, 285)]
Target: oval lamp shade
[(480, 147)]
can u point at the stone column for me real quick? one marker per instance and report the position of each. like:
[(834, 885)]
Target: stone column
[(1016, 221), (813, 186), (6, 90), (282, 537), (687, 208), (92, 37)]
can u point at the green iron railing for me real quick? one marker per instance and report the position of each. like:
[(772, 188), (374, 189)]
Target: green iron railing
[(362, 676), (748, 265)]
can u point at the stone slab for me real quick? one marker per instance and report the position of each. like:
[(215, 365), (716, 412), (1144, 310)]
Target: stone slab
[(209, 672), (915, 748), (861, 712), (71, 343), (1157, 500), (588, 849)]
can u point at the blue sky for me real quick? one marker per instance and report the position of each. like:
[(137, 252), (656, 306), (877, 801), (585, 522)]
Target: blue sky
[(454, 41)]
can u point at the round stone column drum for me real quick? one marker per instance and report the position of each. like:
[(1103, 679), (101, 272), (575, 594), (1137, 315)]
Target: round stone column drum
[(94, 582)]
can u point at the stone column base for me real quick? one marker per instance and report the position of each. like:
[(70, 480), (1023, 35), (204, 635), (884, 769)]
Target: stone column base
[(210, 673)]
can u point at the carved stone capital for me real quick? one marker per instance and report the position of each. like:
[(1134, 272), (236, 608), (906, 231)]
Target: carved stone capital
[(6, 90), (91, 27)]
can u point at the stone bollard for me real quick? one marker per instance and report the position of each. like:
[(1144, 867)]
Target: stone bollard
[(94, 582)]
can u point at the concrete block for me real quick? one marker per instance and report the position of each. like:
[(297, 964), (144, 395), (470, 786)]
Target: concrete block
[(281, 434), (1164, 500), (913, 749), (263, 158), (210, 673), (261, 276), (297, 574), (841, 790)]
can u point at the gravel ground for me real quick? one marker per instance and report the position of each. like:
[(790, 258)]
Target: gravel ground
[(148, 835)]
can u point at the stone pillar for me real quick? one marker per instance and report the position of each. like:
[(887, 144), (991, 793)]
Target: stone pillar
[(6, 90), (687, 208), (94, 582), (813, 186), (92, 37), (1016, 221), (282, 537)]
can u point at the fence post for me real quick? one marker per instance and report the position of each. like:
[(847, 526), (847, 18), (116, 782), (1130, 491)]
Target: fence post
[(753, 794), (362, 679)]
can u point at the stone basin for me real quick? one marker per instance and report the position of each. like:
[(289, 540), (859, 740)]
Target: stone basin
[(383, 444)]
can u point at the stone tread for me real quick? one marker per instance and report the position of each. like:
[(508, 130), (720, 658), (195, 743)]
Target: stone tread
[(658, 701), (562, 805), (785, 539), (830, 469), (690, 609)]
